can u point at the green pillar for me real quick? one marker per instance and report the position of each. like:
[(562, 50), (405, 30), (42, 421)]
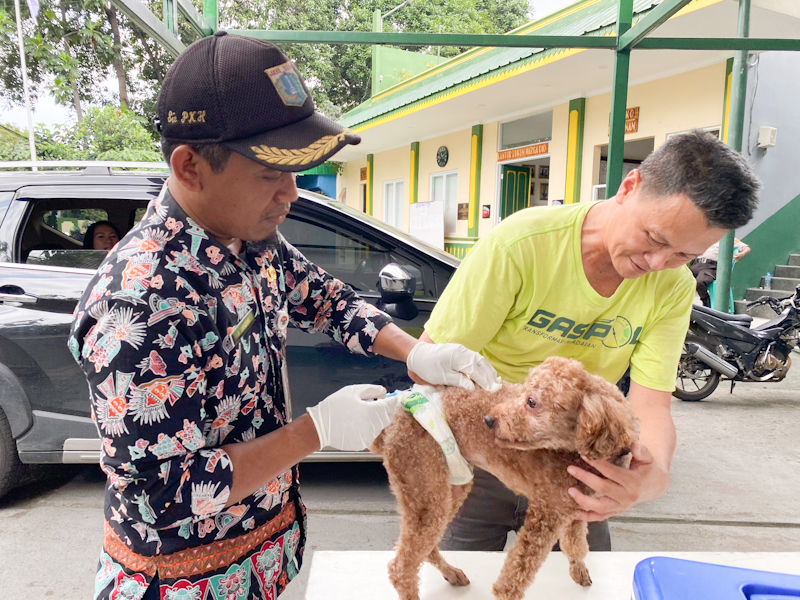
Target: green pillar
[(169, 16), (413, 180), (377, 26), (370, 163), (577, 112), (210, 13), (476, 149), (619, 100), (735, 132)]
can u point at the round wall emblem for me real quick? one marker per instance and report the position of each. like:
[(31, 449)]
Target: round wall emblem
[(442, 155)]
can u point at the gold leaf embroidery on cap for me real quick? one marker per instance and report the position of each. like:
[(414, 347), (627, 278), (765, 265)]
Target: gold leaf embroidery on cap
[(300, 156)]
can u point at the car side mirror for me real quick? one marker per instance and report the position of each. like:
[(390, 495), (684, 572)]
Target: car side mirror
[(397, 287)]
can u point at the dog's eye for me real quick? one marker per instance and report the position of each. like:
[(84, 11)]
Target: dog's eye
[(531, 403)]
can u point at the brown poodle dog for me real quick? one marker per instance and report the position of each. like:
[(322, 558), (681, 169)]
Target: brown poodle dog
[(525, 435)]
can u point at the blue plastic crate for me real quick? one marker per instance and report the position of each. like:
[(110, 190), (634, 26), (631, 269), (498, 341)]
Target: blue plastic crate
[(661, 578)]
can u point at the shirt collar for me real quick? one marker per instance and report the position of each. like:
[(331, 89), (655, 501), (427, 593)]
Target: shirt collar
[(203, 246)]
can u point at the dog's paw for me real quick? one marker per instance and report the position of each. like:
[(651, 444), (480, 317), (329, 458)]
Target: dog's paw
[(580, 574), (455, 576), (506, 592)]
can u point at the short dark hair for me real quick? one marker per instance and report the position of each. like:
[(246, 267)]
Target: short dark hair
[(714, 176), (215, 155), (88, 237)]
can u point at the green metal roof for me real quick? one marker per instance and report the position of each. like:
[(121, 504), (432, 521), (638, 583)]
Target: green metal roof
[(326, 168), (585, 17)]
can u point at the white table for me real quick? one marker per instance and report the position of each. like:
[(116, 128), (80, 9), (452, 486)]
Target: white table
[(362, 575)]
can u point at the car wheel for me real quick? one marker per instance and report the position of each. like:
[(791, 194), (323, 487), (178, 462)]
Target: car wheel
[(10, 467)]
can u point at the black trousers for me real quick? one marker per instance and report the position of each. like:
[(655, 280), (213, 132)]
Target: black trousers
[(492, 510), (704, 273)]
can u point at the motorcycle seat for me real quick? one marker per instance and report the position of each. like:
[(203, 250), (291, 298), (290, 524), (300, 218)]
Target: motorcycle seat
[(743, 320)]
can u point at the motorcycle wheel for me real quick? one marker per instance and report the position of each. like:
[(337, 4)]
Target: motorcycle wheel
[(695, 379)]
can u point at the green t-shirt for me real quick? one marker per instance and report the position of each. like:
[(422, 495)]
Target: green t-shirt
[(521, 295)]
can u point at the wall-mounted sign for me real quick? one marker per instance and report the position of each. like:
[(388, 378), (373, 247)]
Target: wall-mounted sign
[(631, 120), (523, 152), (442, 155), (426, 221), (463, 211), (363, 173)]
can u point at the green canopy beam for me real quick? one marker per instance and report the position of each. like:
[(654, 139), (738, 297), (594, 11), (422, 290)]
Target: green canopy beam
[(514, 41), (751, 44), (194, 18), (429, 39), (150, 24), (660, 14)]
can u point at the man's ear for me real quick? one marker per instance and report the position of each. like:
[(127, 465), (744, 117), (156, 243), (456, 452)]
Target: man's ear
[(628, 185), (188, 168)]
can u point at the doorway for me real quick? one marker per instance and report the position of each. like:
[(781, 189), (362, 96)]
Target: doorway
[(515, 189), (633, 153)]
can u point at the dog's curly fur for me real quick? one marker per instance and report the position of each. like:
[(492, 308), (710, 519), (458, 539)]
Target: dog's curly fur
[(524, 434)]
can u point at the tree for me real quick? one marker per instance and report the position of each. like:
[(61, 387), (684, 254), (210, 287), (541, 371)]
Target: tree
[(106, 133), (76, 45)]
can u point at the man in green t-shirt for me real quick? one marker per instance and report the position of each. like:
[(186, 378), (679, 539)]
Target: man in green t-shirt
[(605, 283)]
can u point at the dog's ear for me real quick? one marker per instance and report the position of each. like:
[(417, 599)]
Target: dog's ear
[(606, 422)]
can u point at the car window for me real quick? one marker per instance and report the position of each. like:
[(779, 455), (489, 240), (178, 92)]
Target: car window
[(52, 229), (341, 254), (137, 216), (73, 221), (345, 255), (75, 259), (5, 200)]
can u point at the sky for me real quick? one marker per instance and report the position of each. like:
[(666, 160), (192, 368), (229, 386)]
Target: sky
[(48, 112)]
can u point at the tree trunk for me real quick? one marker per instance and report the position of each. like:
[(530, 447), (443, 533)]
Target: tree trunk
[(76, 96), (122, 76), (153, 57)]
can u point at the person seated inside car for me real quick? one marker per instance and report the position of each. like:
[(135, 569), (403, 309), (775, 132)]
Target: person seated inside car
[(102, 235)]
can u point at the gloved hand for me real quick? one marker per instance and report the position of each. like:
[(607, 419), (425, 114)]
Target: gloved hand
[(346, 421), (452, 364)]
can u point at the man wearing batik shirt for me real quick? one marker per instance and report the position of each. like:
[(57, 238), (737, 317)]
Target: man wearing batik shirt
[(181, 335)]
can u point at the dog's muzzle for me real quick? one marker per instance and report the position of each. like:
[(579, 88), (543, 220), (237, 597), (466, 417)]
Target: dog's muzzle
[(489, 420)]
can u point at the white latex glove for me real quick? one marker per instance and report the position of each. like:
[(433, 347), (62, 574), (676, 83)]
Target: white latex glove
[(346, 421), (452, 364)]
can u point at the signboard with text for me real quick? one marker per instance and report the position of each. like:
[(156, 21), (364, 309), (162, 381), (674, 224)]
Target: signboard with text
[(427, 222), (523, 152)]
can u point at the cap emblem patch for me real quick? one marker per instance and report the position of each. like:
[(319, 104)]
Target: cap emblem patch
[(287, 84)]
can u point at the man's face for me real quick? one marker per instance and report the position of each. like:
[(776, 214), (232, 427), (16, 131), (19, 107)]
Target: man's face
[(650, 234), (246, 200)]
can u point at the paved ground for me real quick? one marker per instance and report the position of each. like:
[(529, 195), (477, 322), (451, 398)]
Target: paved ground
[(735, 486)]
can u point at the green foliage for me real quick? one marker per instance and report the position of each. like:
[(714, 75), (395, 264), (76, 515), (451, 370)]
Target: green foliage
[(106, 133), (70, 49)]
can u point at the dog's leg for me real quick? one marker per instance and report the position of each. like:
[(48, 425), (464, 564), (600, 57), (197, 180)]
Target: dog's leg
[(452, 574), (575, 547), (534, 542), (420, 531)]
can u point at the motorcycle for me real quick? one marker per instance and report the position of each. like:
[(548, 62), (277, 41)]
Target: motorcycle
[(719, 345)]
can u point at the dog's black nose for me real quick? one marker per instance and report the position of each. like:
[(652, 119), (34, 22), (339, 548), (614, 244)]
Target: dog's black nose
[(489, 420)]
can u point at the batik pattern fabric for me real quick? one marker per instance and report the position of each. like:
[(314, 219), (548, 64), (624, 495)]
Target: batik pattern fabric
[(182, 343)]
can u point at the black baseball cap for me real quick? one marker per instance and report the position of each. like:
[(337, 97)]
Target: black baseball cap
[(246, 95)]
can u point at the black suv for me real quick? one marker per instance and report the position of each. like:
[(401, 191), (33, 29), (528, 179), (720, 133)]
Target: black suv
[(44, 404)]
